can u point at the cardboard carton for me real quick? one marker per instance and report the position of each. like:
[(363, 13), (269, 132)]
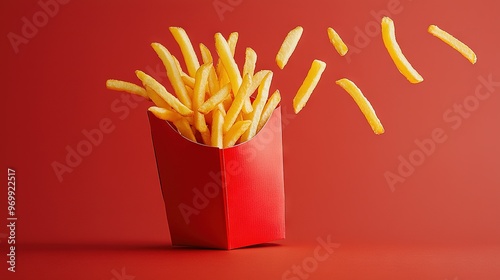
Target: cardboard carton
[(222, 198)]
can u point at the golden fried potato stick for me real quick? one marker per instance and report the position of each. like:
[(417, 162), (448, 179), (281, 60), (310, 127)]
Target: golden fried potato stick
[(200, 85), (232, 40), (216, 99), (173, 74), (337, 42), (164, 114), (308, 85), (271, 104), (249, 68), (179, 67), (206, 54), (288, 46), (232, 136), (250, 61), (257, 79), (363, 104), (453, 42), (228, 62), (213, 82), (258, 107), (223, 76), (404, 67), (217, 126), (157, 100), (237, 104), (185, 129), (126, 87), (190, 58), (175, 103), (188, 81)]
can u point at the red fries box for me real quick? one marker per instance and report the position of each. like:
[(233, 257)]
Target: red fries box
[(222, 198)]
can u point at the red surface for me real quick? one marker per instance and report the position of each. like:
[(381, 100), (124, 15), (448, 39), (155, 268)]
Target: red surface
[(441, 220)]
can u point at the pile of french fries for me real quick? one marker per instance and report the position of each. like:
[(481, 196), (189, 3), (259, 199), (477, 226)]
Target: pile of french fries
[(212, 103)]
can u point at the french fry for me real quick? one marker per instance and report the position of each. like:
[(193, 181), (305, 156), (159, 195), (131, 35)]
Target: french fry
[(206, 55), (223, 76), (232, 40), (215, 99), (179, 67), (250, 61), (288, 46), (188, 81), (201, 81), (163, 93), (257, 79), (118, 85), (363, 104), (213, 81), (182, 39), (157, 100), (228, 62), (189, 92), (337, 42), (308, 85), (232, 136), (268, 110), (164, 114), (453, 42), (258, 106), (173, 73), (249, 68), (185, 129), (237, 104), (217, 126), (403, 65)]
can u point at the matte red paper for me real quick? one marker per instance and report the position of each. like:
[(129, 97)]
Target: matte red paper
[(222, 198)]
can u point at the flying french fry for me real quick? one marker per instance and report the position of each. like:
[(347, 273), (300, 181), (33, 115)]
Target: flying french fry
[(337, 42), (453, 42), (190, 58), (288, 46), (118, 85), (308, 86), (164, 94), (363, 104), (404, 67)]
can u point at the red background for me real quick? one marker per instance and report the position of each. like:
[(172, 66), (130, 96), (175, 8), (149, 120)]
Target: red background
[(442, 222)]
